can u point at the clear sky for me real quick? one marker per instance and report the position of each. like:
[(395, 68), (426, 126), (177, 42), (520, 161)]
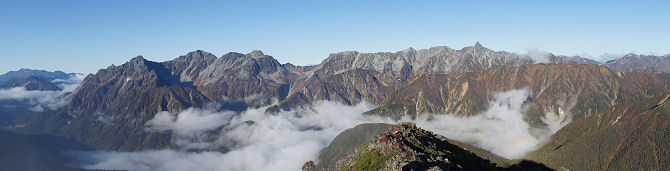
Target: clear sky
[(84, 36)]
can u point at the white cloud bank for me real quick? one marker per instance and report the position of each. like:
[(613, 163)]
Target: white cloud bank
[(284, 141), (501, 129), (41, 100)]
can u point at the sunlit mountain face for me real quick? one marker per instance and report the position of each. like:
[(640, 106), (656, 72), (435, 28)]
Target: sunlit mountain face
[(334, 85)]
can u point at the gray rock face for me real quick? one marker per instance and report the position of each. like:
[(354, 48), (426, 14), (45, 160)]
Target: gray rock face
[(408, 63), (189, 66), (351, 77), (254, 78)]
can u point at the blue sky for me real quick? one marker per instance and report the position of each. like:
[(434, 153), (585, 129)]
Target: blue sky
[(84, 36)]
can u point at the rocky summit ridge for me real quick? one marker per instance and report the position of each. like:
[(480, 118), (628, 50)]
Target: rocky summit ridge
[(408, 147)]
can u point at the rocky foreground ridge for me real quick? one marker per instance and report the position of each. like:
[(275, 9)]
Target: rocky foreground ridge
[(408, 147)]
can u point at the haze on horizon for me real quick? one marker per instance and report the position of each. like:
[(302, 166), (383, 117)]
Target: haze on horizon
[(84, 36)]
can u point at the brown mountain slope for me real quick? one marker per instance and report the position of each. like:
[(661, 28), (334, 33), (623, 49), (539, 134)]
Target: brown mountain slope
[(625, 137), (561, 88)]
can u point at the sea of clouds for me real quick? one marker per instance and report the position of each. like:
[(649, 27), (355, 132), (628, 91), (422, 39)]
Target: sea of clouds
[(41, 100), (254, 140)]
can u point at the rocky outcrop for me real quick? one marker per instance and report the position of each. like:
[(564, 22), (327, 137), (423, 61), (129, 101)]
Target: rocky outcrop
[(407, 147), (309, 166)]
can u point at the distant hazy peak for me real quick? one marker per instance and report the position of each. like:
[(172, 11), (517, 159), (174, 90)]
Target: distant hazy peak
[(630, 55), (43, 74)]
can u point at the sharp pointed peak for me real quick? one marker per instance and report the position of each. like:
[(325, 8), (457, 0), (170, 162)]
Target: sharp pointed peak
[(479, 45)]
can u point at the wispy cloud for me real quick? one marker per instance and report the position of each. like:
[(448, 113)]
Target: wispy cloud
[(501, 129), (538, 56)]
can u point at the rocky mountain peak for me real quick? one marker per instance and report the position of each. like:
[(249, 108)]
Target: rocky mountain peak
[(136, 59), (478, 45), (409, 50), (201, 55), (188, 67), (136, 64), (477, 48), (256, 54)]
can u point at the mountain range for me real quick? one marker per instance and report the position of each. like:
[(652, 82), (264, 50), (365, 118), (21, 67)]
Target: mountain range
[(109, 110)]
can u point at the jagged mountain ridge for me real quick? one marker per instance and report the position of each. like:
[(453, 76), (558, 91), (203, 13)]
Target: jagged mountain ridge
[(110, 108), (132, 93), (351, 77), (582, 90)]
